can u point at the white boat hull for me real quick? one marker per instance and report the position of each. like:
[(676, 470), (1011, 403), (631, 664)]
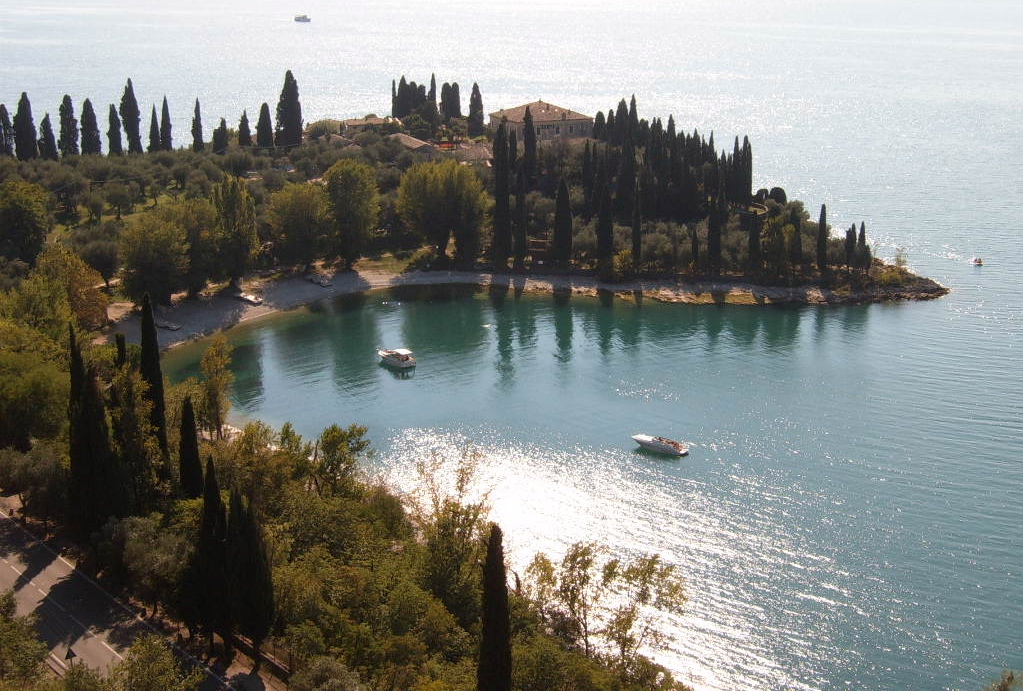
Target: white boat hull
[(661, 445), (400, 358)]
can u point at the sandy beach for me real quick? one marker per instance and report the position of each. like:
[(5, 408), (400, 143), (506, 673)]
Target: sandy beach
[(187, 320)]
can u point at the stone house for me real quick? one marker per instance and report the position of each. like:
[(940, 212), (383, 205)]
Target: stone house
[(551, 121)]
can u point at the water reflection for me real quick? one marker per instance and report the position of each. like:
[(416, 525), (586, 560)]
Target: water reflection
[(563, 327), (247, 367)]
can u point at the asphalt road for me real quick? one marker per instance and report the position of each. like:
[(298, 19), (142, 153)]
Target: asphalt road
[(73, 611)]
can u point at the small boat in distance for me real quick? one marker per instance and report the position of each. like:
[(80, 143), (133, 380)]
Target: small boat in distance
[(661, 444), (401, 358), (977, 261), (302, 18)]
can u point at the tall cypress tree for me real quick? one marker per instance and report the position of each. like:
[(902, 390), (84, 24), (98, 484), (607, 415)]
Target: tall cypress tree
[(91, 142), (152, 374), (714, 239), (189, 463), (796, 243), (850, 246), (250, 582), (562, 242), (154, 132), (753, 244), (637, 228), (211, 560), (288, 131), (166, 140), (6, 132), (822, 240), (528, 152), (475, 125), (68, 140), (519, 239), (131, 119), (863, 257), (494, 671), (197, 144), (219, 142), (432, 95), (244, 133), (26, 146), (114, 147), (605, 224), (500, 246), (264, 128), (47, 142), (454, 101), (587, 180)]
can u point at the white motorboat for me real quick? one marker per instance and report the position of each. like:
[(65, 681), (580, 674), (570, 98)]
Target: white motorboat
[(302, 18), (402, 358), (661, 444)]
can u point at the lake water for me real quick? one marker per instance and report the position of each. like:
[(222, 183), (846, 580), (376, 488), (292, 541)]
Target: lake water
[(850, 514)]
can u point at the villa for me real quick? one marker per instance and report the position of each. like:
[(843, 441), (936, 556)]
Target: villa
[(551, 121)]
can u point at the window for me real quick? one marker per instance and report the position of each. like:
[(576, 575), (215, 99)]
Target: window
[(557, 130)]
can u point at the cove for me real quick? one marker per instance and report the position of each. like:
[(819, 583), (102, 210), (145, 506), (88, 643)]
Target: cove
[(845, 512)]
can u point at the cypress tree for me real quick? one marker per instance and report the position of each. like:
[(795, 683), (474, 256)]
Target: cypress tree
[(475, 124), (637, 229), (863, 256), (605, 224), (850, 246), (6, 132), (152, 374), (562, 242), (26, 146), (500, 245), (154, 132), (694, 243), (189, 463), (68, 140), (250, 582), (289, 114), (519, 240), (796, 244), (197, 144), (432, 96), (131, 119), (633, 118), (122, 350), (211, 560), (114, 147), (714, 239), (494, 671), (394, 99), (622, 126), (47, 142), (91, 142), (455, 101), (166, 140), (244, 134), (625, 185), (609, 127), (753, 244), (528, 152), (822, 240), (445, 96), (599, 126), (587, 180), (264, 128), (219, 143)]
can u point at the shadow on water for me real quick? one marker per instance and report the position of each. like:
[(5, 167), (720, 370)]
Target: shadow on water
[(563, 325)]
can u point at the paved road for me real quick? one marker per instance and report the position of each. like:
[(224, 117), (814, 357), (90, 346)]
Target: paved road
[(73, 611)]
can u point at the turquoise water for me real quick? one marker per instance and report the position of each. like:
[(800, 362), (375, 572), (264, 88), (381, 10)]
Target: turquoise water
[(850, 515)]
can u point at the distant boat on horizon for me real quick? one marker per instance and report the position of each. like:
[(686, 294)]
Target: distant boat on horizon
[(302, 18)]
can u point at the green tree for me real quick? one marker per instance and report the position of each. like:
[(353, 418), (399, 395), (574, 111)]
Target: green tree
[(249, 578), (6, 132), (216, 386), (47, 142), (436, 199), (476, 125), (605, 225), (33, 397), (236, 223), (197, 218), (354, 205), (850, 247), (134, 441), (500, 244), (210, 561), (562, 243), (822, 240), (264, 128), (197, 143), (244, 133), (24, 221), (26, 146), (22, 654), (114, 147), (338, 451), (91, 143), (288, 131), (150, 665), (528, 172), (219, 142), (189, 463), (493, 671), (68, 141), (863, 255), (154, 132), (166, 138), (78, 282), (154, 257), (131, 118), (152, 373), (300, 221)]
